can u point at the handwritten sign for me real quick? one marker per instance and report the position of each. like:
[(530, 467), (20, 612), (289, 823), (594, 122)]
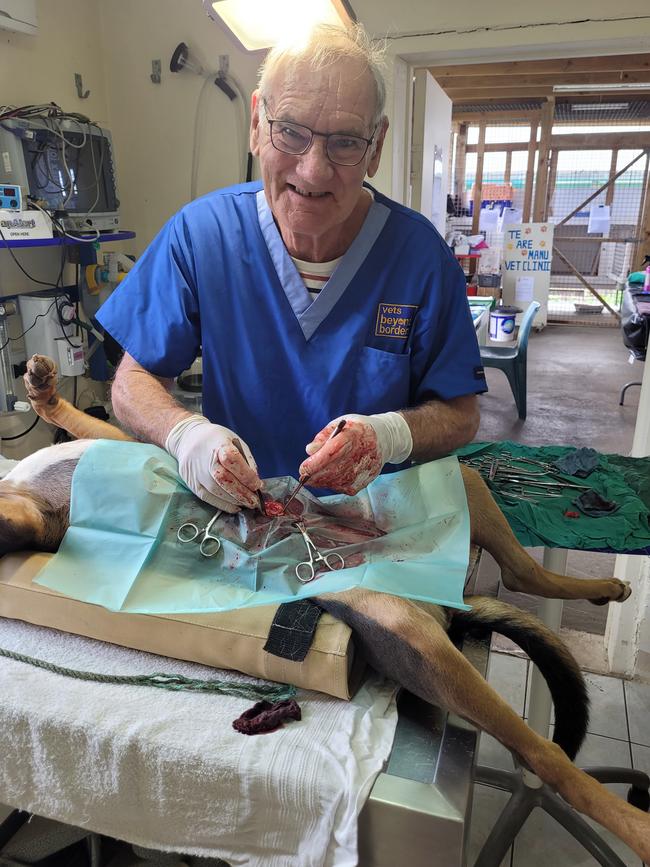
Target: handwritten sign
[(526, 265)]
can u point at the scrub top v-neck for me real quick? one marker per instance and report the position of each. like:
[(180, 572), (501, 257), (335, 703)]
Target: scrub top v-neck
[(390, 328)]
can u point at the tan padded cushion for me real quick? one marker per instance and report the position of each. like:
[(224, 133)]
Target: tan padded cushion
[(232, 640)]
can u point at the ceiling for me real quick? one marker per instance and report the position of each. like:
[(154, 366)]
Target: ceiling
[(528, 79), (490, 67)]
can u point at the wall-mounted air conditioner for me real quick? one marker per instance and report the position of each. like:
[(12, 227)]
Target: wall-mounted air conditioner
[(19, 16)]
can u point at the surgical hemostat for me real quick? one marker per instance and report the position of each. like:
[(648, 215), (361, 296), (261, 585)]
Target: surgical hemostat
[(306, 570)]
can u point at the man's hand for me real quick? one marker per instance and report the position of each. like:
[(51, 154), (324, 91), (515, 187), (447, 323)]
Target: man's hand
[(211, 464), (353, 458)]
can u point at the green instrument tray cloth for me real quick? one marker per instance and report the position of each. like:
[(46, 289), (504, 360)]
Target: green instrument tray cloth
[(624, 480)]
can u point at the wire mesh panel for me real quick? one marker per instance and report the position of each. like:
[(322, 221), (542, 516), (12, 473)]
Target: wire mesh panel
[(598, 241), (500, 166), (596, 180)]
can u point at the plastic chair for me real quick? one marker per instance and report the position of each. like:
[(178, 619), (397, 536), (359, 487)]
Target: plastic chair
[(512, 359)]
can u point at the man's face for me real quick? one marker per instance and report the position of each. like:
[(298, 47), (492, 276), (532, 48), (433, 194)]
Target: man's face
[(316, 202)]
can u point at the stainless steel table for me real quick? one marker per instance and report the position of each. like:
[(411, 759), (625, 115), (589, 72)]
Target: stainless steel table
[(419, 809)]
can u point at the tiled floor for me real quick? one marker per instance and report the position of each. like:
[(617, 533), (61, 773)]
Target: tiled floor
[(619, 734)]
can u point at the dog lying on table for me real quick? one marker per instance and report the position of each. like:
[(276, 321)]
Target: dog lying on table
[(404, 640)]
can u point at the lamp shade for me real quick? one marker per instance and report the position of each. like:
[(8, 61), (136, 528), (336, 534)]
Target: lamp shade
[(260, 24)]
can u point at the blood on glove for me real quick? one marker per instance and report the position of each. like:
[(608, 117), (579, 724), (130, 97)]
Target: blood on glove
[(349, 461), (214, 463), (346, 463)]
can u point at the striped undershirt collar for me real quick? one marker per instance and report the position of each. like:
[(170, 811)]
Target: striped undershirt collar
[(315, 274)]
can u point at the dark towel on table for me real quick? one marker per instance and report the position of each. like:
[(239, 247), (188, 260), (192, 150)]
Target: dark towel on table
[(592, 504), (579, 463)]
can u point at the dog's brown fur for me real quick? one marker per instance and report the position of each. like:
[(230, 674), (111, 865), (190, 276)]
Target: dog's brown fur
[(408, 641)]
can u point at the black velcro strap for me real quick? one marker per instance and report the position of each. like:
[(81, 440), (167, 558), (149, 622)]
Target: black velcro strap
[(292, 630)]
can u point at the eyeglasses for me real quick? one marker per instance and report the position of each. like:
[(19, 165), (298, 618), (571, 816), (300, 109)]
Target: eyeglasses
[(296, 139)]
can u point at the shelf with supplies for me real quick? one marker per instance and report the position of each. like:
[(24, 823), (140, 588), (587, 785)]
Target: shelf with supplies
[(64, 240)]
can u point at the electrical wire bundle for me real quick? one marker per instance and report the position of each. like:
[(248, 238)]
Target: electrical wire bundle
[(51, 114), (230, 86), (42, 153)]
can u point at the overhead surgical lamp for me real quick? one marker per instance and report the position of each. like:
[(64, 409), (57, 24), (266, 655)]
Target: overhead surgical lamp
[(259, 24)]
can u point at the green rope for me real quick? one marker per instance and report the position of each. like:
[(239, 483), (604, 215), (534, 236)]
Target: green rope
[(270, 691)]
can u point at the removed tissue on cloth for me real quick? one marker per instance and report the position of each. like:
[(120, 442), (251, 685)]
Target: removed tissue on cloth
[(406, 534)]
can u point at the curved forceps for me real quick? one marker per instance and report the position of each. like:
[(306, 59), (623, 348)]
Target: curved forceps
[(305, 571), (210, 544)]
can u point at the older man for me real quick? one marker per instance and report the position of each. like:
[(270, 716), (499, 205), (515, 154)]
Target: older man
[(312, 296)]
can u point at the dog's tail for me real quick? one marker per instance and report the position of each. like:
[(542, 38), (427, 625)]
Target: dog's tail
[(558, 667)]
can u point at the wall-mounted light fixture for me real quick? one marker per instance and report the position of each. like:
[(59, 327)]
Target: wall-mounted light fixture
[(259, 24), (183, 58), (600, 106), (619, 87)]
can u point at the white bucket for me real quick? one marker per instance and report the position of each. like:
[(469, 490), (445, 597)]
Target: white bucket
[(502, 324)]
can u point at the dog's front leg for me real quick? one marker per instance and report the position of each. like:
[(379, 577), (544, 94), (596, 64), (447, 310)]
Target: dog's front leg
[(41, 389), (407, 644)]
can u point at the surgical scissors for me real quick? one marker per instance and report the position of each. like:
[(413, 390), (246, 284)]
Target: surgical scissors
[(210, 544), (305, 571)]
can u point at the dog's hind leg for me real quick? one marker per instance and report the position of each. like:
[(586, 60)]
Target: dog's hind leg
[(405, 643), (40, 385), (519, 572)]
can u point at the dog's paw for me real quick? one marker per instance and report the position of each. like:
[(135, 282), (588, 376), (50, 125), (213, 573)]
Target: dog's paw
[(40, 379), (622, 591)]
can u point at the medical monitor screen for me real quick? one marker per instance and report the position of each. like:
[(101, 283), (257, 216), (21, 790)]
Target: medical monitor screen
[(71, 171)]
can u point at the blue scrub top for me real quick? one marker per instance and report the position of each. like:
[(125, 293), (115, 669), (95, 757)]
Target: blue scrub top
[(390, 329)]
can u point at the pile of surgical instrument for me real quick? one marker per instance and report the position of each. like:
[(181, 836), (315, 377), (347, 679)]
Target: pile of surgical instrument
[(306, 570), (518, 478)]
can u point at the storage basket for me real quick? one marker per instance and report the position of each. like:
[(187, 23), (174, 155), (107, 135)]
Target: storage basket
[(489, 281)]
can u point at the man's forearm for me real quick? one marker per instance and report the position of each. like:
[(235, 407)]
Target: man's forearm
[(439, 427), (143, 404)]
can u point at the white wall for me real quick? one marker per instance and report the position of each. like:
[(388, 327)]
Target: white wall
[(41, 68), (473, 27), (430, 145), (627, 639), (153, 125)]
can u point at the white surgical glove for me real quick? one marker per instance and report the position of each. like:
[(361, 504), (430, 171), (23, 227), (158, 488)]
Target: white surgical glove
[(212, 466), (355, 456)]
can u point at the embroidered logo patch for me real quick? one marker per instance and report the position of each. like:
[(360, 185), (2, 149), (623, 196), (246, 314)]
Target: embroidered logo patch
[(394, 320)]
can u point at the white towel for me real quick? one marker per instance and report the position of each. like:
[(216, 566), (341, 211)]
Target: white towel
[(166, 770)]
